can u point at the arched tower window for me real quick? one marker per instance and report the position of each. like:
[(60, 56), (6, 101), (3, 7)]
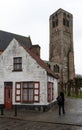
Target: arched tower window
[(54, 21), (56, 68), (66, 20)]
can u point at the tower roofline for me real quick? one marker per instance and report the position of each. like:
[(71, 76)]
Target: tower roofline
[(60, 10)]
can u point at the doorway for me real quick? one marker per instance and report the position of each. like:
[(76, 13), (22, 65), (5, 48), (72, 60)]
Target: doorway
[(8, 95)]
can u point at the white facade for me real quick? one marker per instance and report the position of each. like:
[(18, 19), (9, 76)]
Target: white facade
[(31, 71)]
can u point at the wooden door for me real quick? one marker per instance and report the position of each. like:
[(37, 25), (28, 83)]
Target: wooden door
[(8, 97)]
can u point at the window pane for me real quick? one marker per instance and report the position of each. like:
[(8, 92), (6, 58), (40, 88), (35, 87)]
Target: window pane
[(17, 85), (36, 98), (18, 60), (36, 85), (30, 94), (17, 98), (30, 91), (36, 91), (25, 95), (30, 85), (18, 92), (24, 85)]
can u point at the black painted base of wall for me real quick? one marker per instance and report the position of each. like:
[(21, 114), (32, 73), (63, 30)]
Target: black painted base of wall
[(42, 108)]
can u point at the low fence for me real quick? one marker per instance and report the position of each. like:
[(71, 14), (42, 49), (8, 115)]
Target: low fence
[(3, 111), (20, 112)]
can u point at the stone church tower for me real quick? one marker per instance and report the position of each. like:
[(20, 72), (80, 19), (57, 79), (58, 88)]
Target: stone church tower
[(61, 52)]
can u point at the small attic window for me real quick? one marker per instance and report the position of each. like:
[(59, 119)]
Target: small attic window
[(17, 64)]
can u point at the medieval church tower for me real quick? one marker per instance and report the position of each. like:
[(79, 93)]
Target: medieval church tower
[(61, 52)]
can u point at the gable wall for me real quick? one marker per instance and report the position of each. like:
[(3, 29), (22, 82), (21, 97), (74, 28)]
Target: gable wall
[(31, 71)]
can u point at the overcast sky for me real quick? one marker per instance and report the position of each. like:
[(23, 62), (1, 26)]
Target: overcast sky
[(31, 17)]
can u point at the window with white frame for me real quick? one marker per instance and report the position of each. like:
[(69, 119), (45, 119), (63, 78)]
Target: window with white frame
[(29, 92), (18, 92)]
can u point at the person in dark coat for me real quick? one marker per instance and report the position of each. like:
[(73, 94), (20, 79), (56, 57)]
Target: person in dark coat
[(61, 101)]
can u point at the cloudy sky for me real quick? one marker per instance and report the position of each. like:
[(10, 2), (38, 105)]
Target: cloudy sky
[(31, 17)]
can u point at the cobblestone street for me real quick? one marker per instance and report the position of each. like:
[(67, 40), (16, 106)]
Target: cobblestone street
[(10, 124), (27, 120)]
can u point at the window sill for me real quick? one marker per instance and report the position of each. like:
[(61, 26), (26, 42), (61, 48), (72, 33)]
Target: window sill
[(24, 102), (16, 70)]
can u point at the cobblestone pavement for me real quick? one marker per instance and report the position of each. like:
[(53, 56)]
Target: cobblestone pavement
[(30, 120), (11, 124)]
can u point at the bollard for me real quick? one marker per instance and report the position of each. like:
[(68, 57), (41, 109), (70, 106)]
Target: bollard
[(15, 110), (68, 129), (2, 108), (2, 111)]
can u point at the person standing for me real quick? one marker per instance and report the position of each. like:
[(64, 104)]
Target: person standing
[(61, 101)]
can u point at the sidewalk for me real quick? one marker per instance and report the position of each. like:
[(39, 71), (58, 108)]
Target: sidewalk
[(73, 116)]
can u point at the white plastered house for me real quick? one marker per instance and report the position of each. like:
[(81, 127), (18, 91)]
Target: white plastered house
[(25, 80)]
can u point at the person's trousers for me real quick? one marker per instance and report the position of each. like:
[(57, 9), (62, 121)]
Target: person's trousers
[(61, 108)]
